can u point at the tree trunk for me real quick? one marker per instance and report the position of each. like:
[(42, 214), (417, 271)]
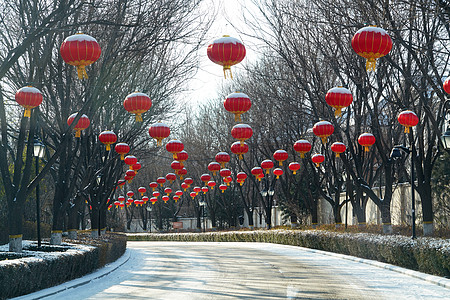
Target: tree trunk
[(427, 208), (15, 218)]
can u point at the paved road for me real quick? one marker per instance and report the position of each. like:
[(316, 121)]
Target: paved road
[(172, 270)]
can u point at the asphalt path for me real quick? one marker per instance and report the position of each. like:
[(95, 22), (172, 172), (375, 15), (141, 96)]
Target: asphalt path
[(197, 270)]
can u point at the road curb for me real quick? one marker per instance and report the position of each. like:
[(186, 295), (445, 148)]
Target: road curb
[(440, 281), (107, 269)]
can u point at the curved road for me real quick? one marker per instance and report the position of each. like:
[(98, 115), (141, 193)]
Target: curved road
[(177, 270)]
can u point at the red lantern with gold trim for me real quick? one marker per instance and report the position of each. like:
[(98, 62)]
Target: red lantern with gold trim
[(237, 103), (408, 119), (241, 177), (338, 148), (137, 166), (222, 158), (130, 160), (267, 165), (182, 156), (176, 165), (153, 185), (80, 50), (142, 190), (226, 51), (214, 167), (122, 149), (137, 103), (82, 123), (225, 172), (223, 187), (108, 138), (182, 172), (153, 200), (28, 97), (211, 184), (184, 186), (323, 129), (278, 172), (168, 191), (193, 194), (159, 131), (302, 147), (197, 189), (318, 159), (205, 178), (366, 140), (239, 149), (174, 146), (280, 156), (257, 171), (189, 181), (165, 198), (294, 167), (241, 132), (161, 180), (171, 177), (228, 179), (338, 98), (371, 43)]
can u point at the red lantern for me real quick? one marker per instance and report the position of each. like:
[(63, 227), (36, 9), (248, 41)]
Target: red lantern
[(267, 165), (142, 190), (338, 98), (137, 103), (176, 198), (121, 183), (338, 148), (128, 178), (182, 156), (446, 85), (193, 194), (222, 158), (168, 191), (225, 173), (294, 167), (121, 198), (122, 149), (174, 146), (130, 173), (257, 171), (205, 189), (211, 184), (184, 186), (408, 119), (171, 177), (130, 194), (179, 193), (153, 200), (197, 189), (156, 194), (226, 51), (161, 180), (117, 203), (165, 198), (278, 172), (205, 178), (29, 98), (323, 129), (317, 159), (182, 172), (227, 180), (302, 147), (189, 181), (241, 132), (82, 124), (371, 43), (241, 176), (80, 50), (137, 166), (239, 149), (153, 185), (223, 187), (121, 205), (237, 103), (108, 138), (214, 167), (280, 156), (130, 160), (159, 131), (145, 199), (176, 165), (366, 140)]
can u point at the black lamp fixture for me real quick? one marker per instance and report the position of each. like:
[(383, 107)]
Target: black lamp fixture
[(445, 138)]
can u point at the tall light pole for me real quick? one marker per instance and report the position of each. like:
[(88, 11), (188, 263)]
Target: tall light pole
[(99, 180), (202, 204), (445, 138), (149, 209), (38, 152)]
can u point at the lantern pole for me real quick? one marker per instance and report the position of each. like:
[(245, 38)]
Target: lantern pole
[(413, 201), (39, 149)]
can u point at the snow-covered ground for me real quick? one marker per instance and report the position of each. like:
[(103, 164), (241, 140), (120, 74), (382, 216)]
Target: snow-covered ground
[(184, 270)]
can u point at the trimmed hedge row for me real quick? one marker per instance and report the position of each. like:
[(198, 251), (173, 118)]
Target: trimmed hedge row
[(427, 255), (30, 274)]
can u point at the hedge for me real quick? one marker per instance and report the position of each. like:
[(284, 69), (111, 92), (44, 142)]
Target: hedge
[(32, 273), (428, 255)]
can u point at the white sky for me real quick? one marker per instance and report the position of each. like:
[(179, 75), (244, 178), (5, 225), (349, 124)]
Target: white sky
[(207, 82)]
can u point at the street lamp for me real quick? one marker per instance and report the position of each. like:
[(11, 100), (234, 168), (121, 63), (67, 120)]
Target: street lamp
[(202, 204), (149, 209), (445, 138), (38, 152), (396, 153)]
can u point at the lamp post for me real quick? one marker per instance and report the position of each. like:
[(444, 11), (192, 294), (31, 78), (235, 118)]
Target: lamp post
[(344, 179), (202, 204), (149, 210), (267, 192), (396, 153), (38, 152), (99, 180), (445, 138)]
